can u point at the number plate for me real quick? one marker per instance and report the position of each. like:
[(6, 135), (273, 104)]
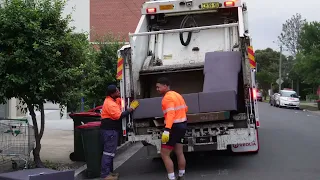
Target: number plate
[(210, 5), (166, 7)]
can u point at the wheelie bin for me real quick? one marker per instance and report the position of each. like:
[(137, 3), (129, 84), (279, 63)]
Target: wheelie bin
[(93, 148), (78, 119)]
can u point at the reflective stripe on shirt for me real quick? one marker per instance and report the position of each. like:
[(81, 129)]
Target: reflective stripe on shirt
[(178, 120), (174, 108)]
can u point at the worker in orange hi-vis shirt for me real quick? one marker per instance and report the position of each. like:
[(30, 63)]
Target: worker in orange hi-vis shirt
[(111, 117), (175, 114)]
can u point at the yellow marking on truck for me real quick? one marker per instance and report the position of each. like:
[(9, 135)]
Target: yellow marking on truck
[(210, 5), (166, 57), (166, 7)]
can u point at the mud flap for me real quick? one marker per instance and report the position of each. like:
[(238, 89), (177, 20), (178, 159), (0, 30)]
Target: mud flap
[(247, 147)]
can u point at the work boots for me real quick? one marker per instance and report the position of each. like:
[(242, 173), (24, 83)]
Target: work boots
[(112, 176)]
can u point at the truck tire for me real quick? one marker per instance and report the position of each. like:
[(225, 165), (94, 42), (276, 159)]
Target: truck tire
[(144, 143)]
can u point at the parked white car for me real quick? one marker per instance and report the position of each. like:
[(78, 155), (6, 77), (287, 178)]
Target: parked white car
[(287, 98)]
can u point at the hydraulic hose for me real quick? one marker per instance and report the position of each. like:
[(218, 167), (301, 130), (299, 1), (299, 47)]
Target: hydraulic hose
[(188, 39), (182, 25)]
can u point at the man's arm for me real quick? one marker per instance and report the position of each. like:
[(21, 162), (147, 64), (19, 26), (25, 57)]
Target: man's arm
[(125, 113), (168, 105)]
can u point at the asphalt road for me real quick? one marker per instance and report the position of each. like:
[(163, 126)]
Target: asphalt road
[(289, 150)]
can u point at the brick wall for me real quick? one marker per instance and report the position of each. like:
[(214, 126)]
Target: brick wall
[(118, 17)]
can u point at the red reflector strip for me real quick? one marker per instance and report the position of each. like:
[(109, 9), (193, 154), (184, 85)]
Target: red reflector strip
[(251, 57), (257, 123), (254, 93), (119, 69), (124, 132)]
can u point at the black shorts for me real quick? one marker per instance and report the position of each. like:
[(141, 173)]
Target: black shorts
[(178, 131)]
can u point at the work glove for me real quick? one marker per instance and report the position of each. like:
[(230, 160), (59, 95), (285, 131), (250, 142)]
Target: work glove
[(134, 104), (165, 136)]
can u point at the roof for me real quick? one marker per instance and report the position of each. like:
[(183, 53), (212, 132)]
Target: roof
[(287, 91), (118, 17)]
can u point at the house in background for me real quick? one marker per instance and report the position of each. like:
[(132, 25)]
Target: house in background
[(97, 18), (116, 17)]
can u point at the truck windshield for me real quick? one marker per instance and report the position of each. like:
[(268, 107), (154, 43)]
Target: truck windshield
[(289, 94)]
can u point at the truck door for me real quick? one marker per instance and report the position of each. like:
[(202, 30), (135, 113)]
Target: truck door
[(124, 78)]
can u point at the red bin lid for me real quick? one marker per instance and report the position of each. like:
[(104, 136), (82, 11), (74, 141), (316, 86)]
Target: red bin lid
[(90, 125), (85, 114)]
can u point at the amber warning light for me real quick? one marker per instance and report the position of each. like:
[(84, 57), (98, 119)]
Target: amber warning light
[(229, 3)]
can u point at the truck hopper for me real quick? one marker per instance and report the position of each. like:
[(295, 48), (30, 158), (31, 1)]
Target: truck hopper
[(220, 87)]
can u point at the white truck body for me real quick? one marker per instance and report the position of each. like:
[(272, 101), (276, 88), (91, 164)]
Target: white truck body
[(159, 51)]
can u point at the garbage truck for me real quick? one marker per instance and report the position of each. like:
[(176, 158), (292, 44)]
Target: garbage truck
[(204, 48)]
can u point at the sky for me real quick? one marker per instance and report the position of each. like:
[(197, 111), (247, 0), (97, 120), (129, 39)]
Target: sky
[(265, 17)]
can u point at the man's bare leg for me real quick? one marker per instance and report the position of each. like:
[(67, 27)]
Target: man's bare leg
[(178, 149), (165, 155)]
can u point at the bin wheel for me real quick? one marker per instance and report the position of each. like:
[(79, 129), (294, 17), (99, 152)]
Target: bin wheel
[(14, 165), (90, 174), (73, 157)]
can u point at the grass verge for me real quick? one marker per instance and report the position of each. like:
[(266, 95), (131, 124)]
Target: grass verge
[(310, 108)]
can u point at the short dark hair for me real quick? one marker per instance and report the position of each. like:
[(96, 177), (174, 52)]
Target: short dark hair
[(164, 81), (111, 89)]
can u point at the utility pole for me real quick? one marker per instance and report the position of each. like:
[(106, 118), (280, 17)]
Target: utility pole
[(280, 64)]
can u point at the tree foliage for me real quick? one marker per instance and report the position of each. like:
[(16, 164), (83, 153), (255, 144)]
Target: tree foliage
[(290, 33), (268, 67), (101, 70), (308, 61), (40, 58), (309, 39)]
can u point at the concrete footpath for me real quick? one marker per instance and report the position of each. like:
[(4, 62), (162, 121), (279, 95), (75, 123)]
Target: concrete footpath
[(57, 144), (124, 152)]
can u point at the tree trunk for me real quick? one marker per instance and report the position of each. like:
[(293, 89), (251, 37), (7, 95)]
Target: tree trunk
[(38, 136), (298, 90)]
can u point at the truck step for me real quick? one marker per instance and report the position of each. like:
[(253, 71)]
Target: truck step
[(208, 117)]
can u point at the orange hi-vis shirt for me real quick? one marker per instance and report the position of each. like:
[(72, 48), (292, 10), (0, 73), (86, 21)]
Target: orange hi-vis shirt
[(111, 109), (174, 108)]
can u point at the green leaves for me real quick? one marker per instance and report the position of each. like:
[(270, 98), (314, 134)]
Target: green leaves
[(307, 65), (100, 71), (40, 59), (309, 38), (268, 67)]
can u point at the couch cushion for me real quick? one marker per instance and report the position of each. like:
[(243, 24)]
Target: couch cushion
[(221, 71), (192, 101), (151, 107), (217, 101)]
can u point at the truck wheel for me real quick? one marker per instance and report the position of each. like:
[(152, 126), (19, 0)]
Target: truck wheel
[(73, 157), (14, 165), (144, 143)]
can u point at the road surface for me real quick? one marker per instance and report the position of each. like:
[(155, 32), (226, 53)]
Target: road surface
[(289, 150)]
